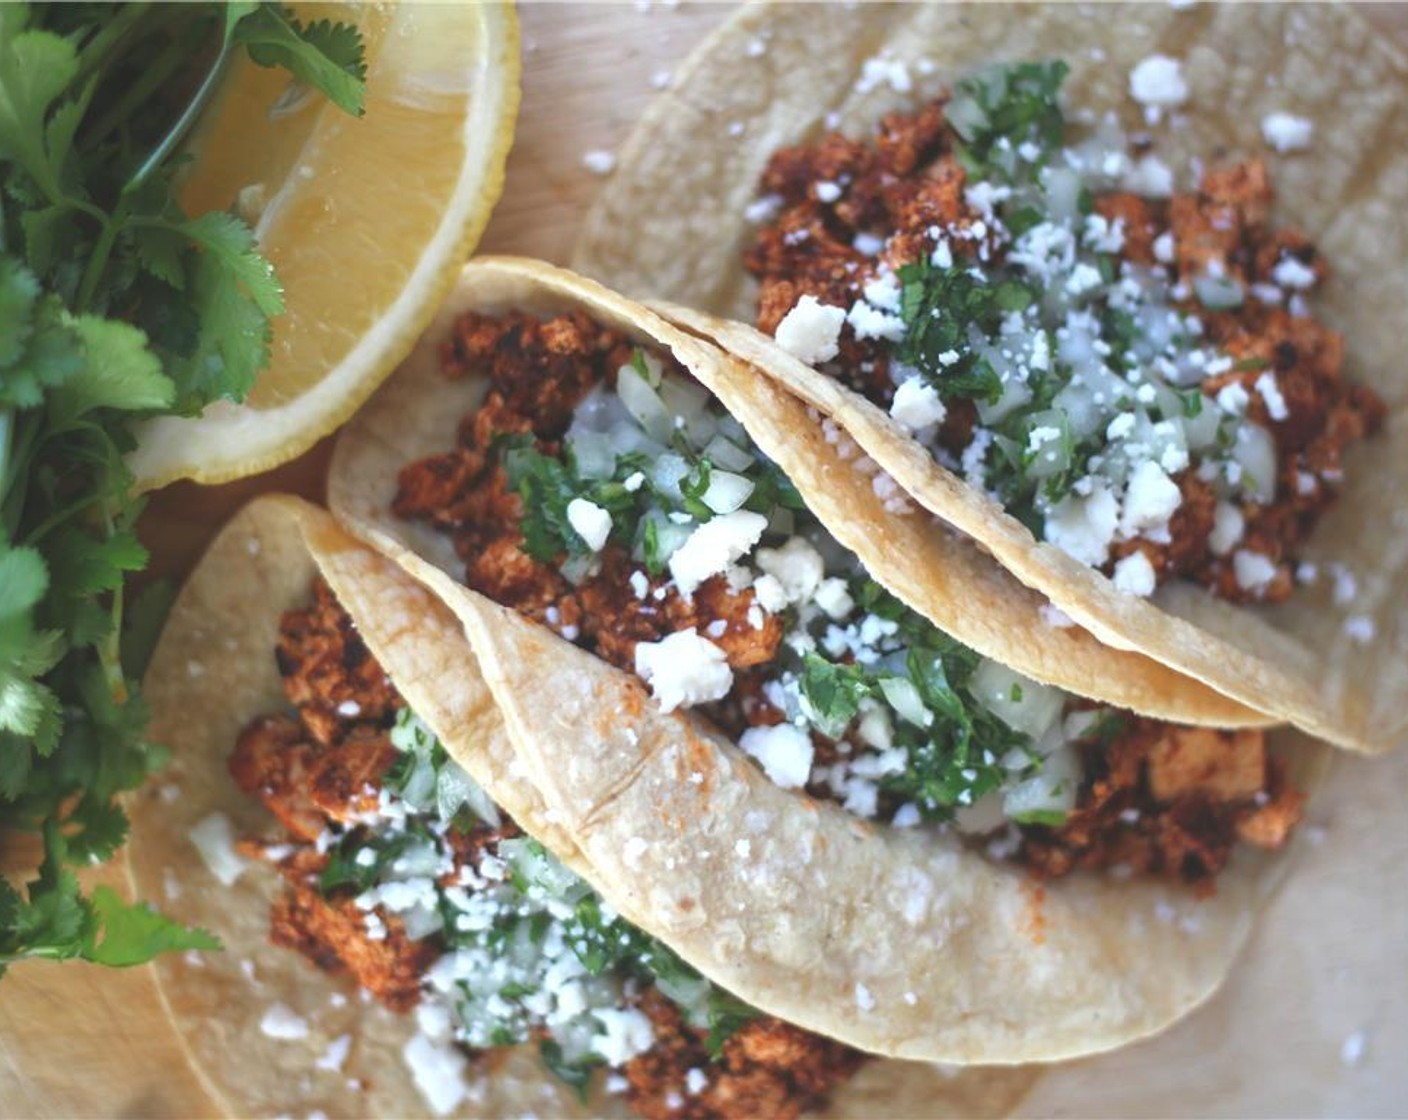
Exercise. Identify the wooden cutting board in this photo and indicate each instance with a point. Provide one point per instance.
(81, 1041)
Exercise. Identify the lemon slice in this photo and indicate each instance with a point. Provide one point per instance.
(366, 221)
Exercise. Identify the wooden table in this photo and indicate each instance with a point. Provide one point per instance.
(81, 1041)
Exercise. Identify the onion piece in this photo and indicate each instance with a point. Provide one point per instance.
(901, 695)
(1021, 703)
(726, 491)
(723, 452)
(644, 404)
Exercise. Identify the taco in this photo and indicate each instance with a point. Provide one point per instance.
(1028, 259)
(864, 826)
(398, 939)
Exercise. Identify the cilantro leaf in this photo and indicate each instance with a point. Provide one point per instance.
(234, 294)
(19, 291)
(36, 68)
(127, 934)
(329, 57)
(119, 371)
(114, 304)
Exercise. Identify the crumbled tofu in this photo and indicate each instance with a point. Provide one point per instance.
(1221, 765)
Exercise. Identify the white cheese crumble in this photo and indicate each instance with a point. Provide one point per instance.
(1150, 177)
(1270, 392)
(1254, 571)
(1286, 132)
(1158, 81)
(834, 598)
(214, 838)
(1084, 526)
(633, 849)
(438, 1070)
(1134, 575)
(335, 1056)
(627, 1033)
(827, 191)
(684, 669)
(1291, 273)
(1359, 628)
(917, 405)
(784, 752)
(590, 522)
(599, 162)
(797, 567)
(881, 71)
(871, 322)
(811, 330)
(1150, 499)
(865, 1000)
(282, 1022)
(715, 545)
(1353, 1048)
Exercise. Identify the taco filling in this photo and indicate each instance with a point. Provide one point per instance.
(603, 492)
(401, 873)
(1132, 371)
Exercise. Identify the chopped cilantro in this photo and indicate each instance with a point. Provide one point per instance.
(1011, 105)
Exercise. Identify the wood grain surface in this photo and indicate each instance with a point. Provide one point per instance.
(80, 1041)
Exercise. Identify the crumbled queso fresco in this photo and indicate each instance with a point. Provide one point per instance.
(530, 950)
(1093, 386)
(925, 729)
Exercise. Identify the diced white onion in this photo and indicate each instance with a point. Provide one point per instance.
(901, 695)
(1218, 293)
(1063, 187)
(595, 454)
(685, 399)
(726, 491)
(1053, 790)
(723, 452)
(1022, 704)
(644, 404)
(666, 474)
(1255, 450)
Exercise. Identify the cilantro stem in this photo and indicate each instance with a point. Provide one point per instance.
(185, 122)
(153, 78)
(98, 50)
(98, 262)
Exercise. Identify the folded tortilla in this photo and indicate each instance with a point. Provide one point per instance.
(671, 225)
(897, 941)
(213, 671)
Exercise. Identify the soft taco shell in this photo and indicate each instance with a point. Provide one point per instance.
(936, 572)
(213, 671)
(798, 907)
(670, 224)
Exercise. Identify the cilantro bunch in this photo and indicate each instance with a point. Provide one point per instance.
(115, 305)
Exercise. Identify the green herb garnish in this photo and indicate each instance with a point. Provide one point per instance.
(115, 305)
